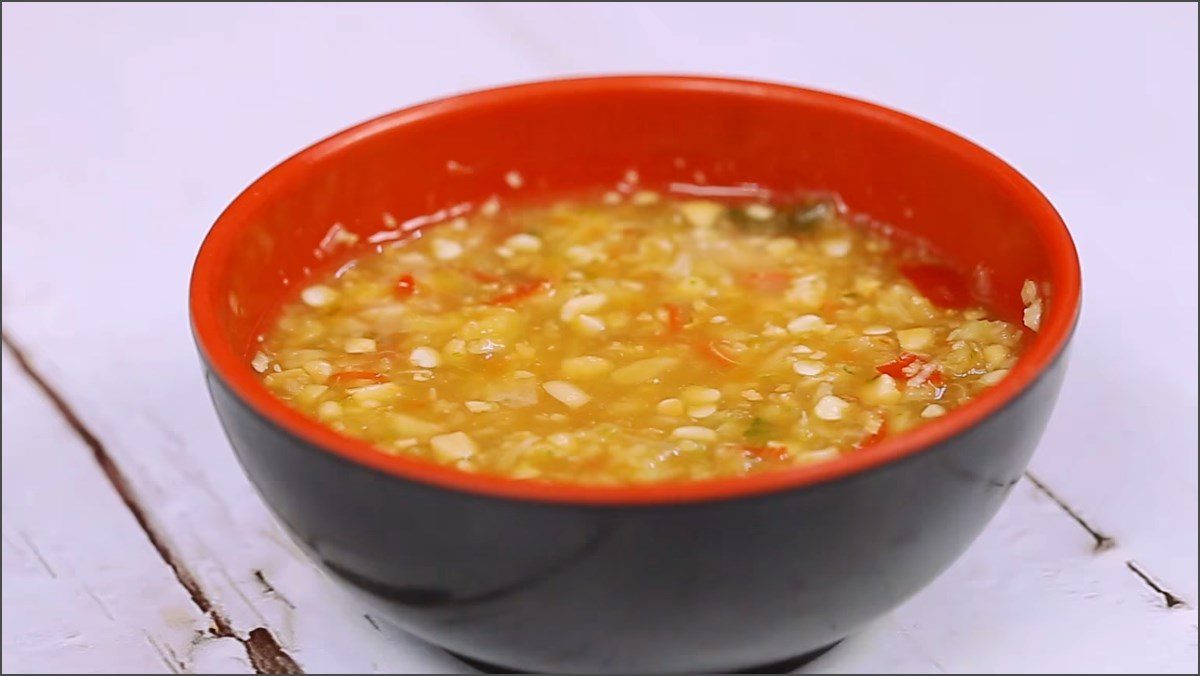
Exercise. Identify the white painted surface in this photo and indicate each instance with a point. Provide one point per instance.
(84, 589)
(127, 129)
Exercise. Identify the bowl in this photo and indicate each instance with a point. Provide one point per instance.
(712, 575)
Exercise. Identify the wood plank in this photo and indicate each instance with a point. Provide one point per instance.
(169, 138)
(1033, 593)
(84, 589)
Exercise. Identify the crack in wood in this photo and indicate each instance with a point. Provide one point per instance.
(1102, 542)
(237, 589)
(271, 590)
(1170, 599)
(174, 665)
(99, 602)
(1105, 542)
(37, 553)
(265, 653)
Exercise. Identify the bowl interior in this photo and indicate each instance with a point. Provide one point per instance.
(582, 134)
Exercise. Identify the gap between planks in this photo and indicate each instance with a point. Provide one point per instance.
(1103, 542)
(263, 650)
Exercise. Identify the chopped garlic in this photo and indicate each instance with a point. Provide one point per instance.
(567, 393)
(995, 356)
(580, 255)
(694, 433)
(586, 366)
(807, 291)
(588, 325)
(830, 407)
(453, 446)
(581, 304)
(1032, 317)
(643, 370)
(1029, 292)
(773, 331)
(328, 410)
(760, 212)
(881, 390)
(311, 393)
(425, 357)
(915, 340)
(835, 248)
(446, 249)
(514, 179)
(933, 411)
(805, 367)
(821, 455)
(359, 345)
(701, 213)
(993, 377)
(490, 207)
(319, 369)
(670, 407)
(806, 324)
(261, 362)
(524, 243)
(318, 295)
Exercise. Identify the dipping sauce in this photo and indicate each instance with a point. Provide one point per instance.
(636, 338)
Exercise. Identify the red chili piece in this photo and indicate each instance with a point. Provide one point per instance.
(405, 286)
(767, 452)
(520, 291)
(678, 316)
(876, 437)
(895, 368)
(767, 280)
(485, 277)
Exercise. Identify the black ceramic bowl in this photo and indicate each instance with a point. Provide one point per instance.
(703, 576)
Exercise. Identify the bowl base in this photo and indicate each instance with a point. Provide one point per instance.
(785, 666)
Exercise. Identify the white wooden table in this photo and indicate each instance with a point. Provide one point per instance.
(131, 540)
